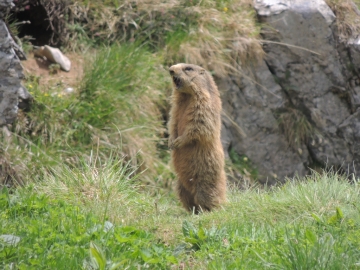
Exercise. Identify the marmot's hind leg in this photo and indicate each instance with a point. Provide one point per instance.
(186, 198)
(204, 201)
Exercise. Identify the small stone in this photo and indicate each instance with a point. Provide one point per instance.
(54, 55)
(69, 90)
(10, 239)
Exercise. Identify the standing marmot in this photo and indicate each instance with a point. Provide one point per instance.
(194, 126)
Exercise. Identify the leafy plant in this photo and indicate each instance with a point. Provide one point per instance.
(243, 166)
(196, 237)
(54, 68)
(56, 234)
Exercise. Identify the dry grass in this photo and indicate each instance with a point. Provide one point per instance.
(18, 156)
(221, 37)
(224, 38)
(347, 18)
(296, 128)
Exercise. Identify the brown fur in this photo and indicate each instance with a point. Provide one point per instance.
(194, 126)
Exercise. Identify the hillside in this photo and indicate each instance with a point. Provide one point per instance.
(281, 94)
(86, 180)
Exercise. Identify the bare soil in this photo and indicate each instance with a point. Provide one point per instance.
(42, 68)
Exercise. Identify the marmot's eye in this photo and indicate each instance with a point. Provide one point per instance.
(188, 69)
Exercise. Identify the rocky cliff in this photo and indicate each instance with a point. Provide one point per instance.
(11, 90)
(299, 108)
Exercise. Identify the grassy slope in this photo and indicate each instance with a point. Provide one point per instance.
(311, 224)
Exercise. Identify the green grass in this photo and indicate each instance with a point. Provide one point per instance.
(96, 217)
(54, 234)
(241, 164)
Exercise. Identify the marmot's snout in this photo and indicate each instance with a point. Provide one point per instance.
(172, 70)
(176, 80)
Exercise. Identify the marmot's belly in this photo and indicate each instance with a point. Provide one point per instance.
(194, 164)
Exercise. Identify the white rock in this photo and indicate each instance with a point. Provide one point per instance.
(69, 90)
(54, 55)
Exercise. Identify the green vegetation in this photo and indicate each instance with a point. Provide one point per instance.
(116, 111)
(52, 234)
(99, 219)
(240, 164)
(220, 35)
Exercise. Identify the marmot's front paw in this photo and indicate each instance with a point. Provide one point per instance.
(175, 143)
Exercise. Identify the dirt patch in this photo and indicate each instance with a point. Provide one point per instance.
(48, 76)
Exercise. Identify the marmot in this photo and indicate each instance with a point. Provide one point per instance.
(194, 127)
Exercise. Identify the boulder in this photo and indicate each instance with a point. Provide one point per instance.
(251, 101)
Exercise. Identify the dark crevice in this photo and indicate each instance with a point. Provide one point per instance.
(271, 69)
(313, 161)
(33, 22)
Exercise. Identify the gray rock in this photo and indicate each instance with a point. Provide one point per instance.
(351, 59)
(11, 90)
(5, 5)
(270, 7)
(349, 132)
(9, 239)
(314, 77)
(251, 101)
(307, 72)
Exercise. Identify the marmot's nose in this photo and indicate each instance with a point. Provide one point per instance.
(172, 72)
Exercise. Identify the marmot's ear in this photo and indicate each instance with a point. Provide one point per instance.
(202, 71)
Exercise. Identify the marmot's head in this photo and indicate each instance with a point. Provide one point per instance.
(188, 77)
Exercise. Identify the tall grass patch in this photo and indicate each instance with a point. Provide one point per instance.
(225, 37)
(121, 95)
(106, 189)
